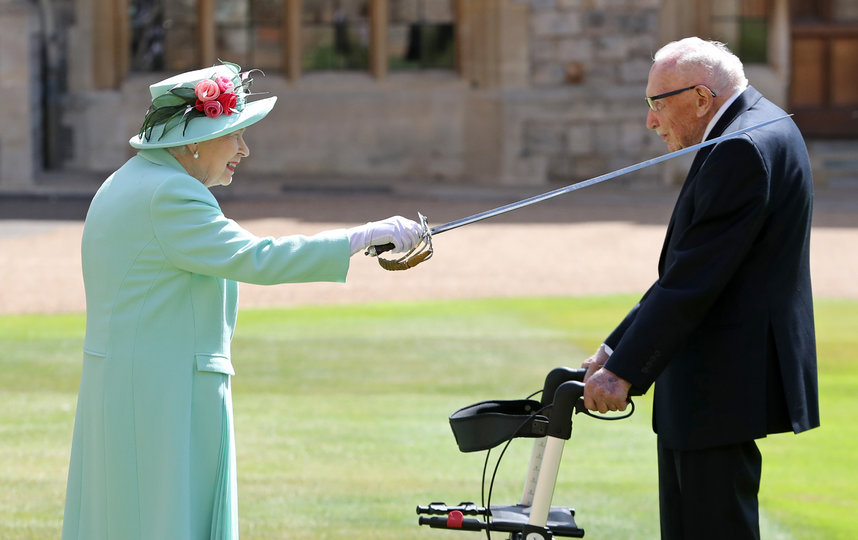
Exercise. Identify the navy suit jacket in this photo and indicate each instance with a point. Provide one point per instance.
(726, 333)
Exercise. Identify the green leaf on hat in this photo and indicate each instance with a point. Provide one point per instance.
(177, 105)
(157, 116)
(185, 93)
(167, 100)
(173, 121)
(189, 115)
(234, 67)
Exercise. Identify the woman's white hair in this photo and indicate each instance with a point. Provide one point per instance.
(721, 69)
(178, 151)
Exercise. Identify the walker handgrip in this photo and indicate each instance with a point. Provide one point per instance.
(468, 524)
(565, 399)
(558, 376)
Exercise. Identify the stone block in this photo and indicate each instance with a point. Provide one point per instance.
(548, 74)
(580, 140)
(633, 138)
(574, 49)
(607, 138)
(546, 50)
(590, 166)
(613, 47)
(555, 24)
(544, 138)
(637, 23)
(19, 85)
(537, 5)
(528, 171)
(635, 71)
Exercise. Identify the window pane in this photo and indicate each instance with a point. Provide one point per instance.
(753, 40)
(844, 72)
(233, 31)
(248, 32)
(755, 8)
(421, 34)
(744, 27)
(147, 35)
(807, 10)
(180, 25)
(163, 35)
(845, 11)
(266, 41)
(335, 34)
(266, 46)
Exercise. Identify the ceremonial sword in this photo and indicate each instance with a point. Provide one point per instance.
(375, 250)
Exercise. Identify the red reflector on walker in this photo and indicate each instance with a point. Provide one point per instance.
(455, 519)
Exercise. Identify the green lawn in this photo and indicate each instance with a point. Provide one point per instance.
(341, 420)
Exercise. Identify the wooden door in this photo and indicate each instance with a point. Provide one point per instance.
(824, 82)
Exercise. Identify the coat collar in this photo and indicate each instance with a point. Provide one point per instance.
(160, 156)
(745, 101)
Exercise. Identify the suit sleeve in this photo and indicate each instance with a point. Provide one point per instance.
(195, 236)
(729, 198)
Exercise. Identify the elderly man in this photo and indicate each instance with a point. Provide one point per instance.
(726, 332)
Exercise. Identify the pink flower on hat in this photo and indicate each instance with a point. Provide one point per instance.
(212, 108)
(191, 98)
(207, 90)
(228, 100)
(225, 84)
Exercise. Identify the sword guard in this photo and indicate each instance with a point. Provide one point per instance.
(421, 252)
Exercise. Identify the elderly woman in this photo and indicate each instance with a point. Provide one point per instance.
(153, 453)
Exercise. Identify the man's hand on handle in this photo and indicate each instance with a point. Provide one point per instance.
(604, 391)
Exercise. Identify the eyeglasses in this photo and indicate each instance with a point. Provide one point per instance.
(651, 100)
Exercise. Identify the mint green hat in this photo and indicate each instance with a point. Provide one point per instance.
(200, 105)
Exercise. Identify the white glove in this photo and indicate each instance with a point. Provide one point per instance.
(403, 233)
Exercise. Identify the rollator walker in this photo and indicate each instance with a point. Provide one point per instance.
(487, 424)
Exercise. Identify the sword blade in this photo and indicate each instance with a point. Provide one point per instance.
(596, 180)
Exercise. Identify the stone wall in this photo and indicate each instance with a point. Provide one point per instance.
(589, 64)
(555, 96)
(20, 88)
(548, 91)
(410, 125)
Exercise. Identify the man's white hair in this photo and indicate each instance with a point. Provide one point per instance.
(720, 68)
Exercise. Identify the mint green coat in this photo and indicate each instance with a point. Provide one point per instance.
(153, 453)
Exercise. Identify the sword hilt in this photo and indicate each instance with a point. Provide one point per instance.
(375, 251)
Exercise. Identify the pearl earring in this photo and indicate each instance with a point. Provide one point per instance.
(197, 155)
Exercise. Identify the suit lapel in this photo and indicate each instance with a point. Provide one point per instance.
(740, 105)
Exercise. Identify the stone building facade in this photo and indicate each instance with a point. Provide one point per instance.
(538, 91)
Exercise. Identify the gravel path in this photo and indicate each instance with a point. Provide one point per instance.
(594, 242)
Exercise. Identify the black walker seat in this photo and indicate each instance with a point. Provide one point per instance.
(487, 424)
